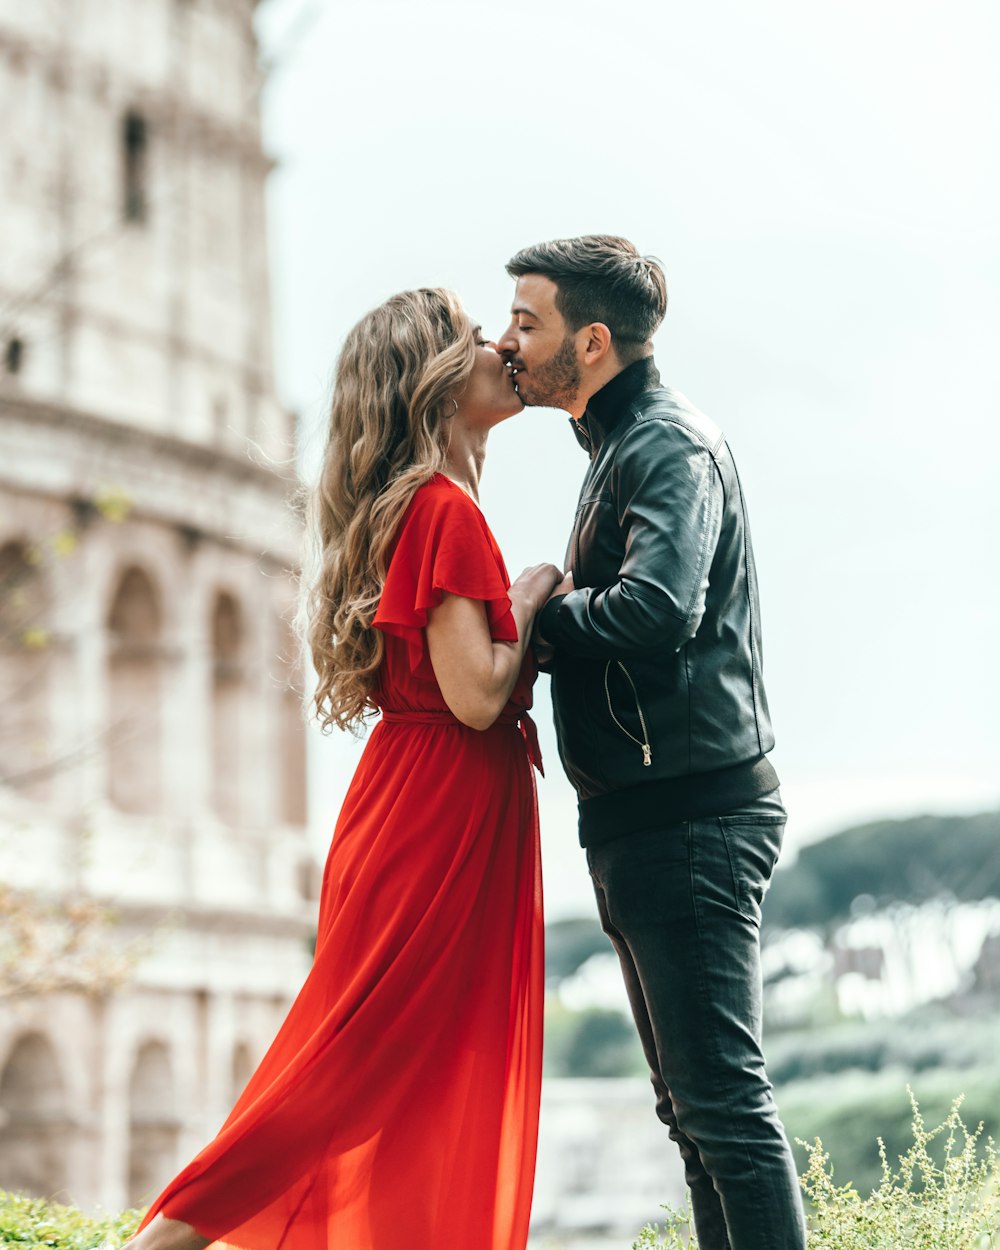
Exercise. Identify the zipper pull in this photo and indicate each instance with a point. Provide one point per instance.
(647, 755)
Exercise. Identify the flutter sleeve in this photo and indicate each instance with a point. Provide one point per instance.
(444, 544)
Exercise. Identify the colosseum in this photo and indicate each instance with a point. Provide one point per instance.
(152, 756)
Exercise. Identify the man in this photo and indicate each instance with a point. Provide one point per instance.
(654, 647)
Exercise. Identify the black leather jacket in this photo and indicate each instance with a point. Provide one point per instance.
(657, 668)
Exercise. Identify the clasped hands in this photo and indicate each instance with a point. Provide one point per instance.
(544, 651)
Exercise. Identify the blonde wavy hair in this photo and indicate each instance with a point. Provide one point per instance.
(399, 372)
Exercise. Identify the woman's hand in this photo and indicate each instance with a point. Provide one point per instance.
(476, 674)
(534, 585)
(544, 651)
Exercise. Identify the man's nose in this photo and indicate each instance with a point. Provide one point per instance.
(507, 343)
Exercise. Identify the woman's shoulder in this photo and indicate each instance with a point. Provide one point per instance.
(440, 499)
(440, 516)
(440, 489)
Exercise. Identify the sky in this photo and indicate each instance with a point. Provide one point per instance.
(822, 185)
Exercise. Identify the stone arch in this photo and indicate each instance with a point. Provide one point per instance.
(243, 1068)
(25, 662)
(34, 1119)
(154, 1126)
(135, 661)
(153, 550)
(229, 699)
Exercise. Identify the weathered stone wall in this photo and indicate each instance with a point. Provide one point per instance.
(151, 756)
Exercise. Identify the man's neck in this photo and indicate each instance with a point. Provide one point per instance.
(598, 383)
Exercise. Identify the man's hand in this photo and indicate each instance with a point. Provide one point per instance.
(544, 651)
(564, 587)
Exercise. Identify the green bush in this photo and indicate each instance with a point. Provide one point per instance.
(595, 1042)
(922, 1041)
(37, 1224)
(942, 1194)
(850, 1111)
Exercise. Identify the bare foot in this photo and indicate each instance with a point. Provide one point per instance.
(164, 1234)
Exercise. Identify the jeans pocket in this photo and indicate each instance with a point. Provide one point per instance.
(753, 844)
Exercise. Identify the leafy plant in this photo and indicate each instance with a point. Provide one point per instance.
(923, 1203)
(38, 1224)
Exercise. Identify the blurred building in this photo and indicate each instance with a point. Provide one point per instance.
(606, 1165)
(151, 743)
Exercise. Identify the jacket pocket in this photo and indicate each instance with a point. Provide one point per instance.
(629, 717)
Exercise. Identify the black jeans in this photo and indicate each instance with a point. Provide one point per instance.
(682, 906)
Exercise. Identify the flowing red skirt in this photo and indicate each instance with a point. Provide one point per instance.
(398, 1105)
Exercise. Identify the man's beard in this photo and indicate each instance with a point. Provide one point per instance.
(556, 383)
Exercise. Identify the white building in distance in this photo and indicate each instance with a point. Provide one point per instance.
(152, 750)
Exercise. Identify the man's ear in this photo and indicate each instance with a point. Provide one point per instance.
(596, 340)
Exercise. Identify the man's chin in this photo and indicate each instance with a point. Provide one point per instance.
(530, 400)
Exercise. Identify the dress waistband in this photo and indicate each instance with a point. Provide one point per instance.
(529, 731)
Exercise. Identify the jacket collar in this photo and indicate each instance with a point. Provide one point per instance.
(607, 406)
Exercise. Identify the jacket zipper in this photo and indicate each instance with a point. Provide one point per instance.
(647, 750)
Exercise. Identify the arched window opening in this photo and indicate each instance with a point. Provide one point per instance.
(243, 1068)
(291, 726)
(13, 356)
(153, 1124)
(135, 661)
(135, 151)
(35, 1142)
(22, 600)
(25, 660)
(309, 879)
(228, 702)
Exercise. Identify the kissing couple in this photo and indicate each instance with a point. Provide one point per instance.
(398, 1104)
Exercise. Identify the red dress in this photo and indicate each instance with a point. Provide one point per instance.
(398, 1105)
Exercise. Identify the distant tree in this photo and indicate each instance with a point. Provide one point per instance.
(889, 861)
(569, 944)
(47, 945)
(604, 1043)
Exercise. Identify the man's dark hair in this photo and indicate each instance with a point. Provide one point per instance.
(601, 277)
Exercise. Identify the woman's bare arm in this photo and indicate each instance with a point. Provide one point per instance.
(476, 674)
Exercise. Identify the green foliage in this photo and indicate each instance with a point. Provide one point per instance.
(570, 943)
(36, 1224)
(924, 1203)
(925, 1040)
(850, 1110)
(677, 1232)
(595, 1042)
(907, 861)
(942, 1194)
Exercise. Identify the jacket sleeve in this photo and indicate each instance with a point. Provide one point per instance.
(667, 495)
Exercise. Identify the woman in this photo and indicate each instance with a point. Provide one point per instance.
(398, 1104)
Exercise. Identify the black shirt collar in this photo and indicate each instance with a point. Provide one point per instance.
(607, 406)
